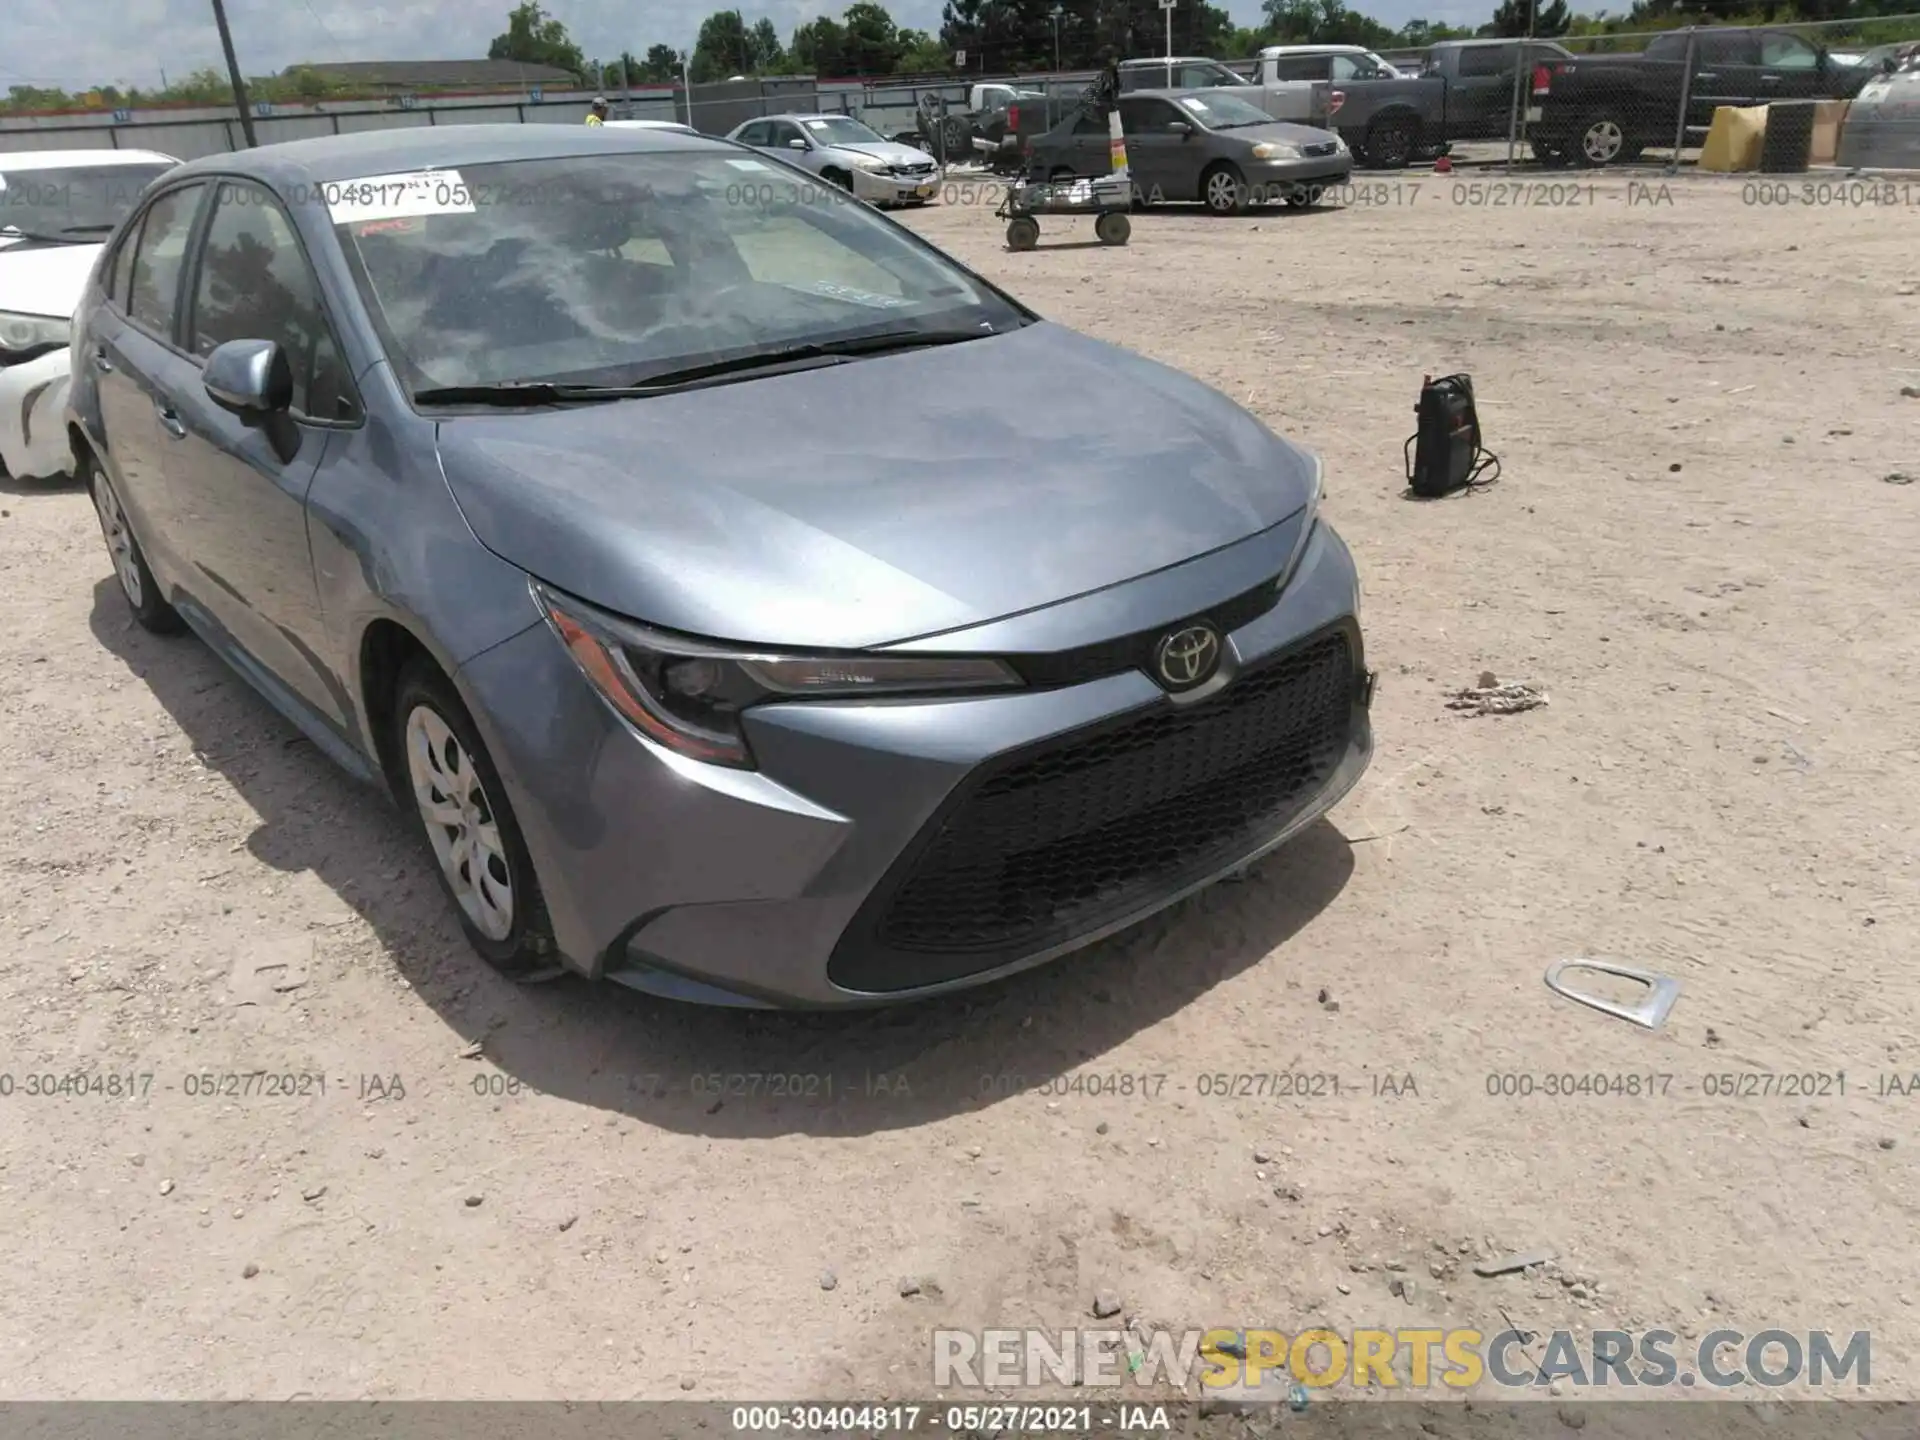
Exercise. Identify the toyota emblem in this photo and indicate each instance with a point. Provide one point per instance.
(1187, 657)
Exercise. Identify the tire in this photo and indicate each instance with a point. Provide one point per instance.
(957, 136)
(1061, 172)
(1223, 190)
(444, 765)
(1599, 139)
(838, 177)
(1391, 142)
(137, 585)
(1548, 155)
(1022, 233)
(1113, 228)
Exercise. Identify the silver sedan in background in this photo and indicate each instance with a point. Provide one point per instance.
(843, 152)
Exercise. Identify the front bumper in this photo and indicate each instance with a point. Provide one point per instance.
(897, 189)
(775, 887)
(33, 402)
(1315, 174)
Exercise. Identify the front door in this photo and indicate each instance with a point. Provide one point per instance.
(1790, 68)
(240, 485)
(1726, 71)
(132, 341)
(1158, 160)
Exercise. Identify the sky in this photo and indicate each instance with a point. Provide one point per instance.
(75, 43)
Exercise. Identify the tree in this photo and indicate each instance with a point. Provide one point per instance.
(1513, 18)
(721, 48)
(871, 39)
(769, 55)
(1324, 22)
(819, 47)
(662, 65)
(534, 37)
(922, 54)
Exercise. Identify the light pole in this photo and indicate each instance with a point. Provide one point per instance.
(233, 74)
(1056, 39)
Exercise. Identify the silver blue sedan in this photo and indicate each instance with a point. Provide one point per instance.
(523, 468)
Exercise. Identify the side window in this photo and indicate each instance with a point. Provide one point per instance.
(1346, 67)
(1300, 67)
(254, 284)
(1486, 59)
(153, 285)
(1787, 52)
(1157, 114)
(754, 134)
(120, 267)
(1724, 49)
(1085, 124)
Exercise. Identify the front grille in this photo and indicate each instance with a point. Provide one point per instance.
(922, 167)
(1055, 841)
(1324, 147)
(1135, 652)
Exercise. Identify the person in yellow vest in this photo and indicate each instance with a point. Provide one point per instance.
(597, 112)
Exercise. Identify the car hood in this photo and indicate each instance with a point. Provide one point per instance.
(881, 500)
(1280, 132)
(41, 279)
(890, 151)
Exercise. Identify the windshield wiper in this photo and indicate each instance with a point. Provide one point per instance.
(11, 232)
(544, 392)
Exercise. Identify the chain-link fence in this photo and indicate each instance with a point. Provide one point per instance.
(1598, 100)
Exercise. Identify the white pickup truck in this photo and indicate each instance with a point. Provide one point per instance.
(1304, 103)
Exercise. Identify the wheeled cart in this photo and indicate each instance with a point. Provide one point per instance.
(1107, 199)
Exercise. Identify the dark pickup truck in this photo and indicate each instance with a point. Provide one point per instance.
(1598, 109)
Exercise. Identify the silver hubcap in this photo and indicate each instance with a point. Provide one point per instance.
(1221, 192)
(1602, 141)
(113, 525)
(460, 823)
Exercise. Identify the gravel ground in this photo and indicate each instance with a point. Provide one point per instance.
(1697, 403)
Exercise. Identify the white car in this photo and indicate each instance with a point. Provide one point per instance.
(57, 208)
(843, 152)
(673, 125)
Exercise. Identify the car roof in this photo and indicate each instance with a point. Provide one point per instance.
(798, 115)
(648, 125)
(57, 159)
(1170, 60)
(1314, 50)
(389, 152)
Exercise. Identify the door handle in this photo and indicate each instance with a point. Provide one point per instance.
(101, 362)
(1705, 75)
(1769, 79)
(170, 422)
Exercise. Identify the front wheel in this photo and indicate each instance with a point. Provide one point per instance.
(462, 810)
(838, 177)
(1022, 233)
(1224, 189)
(1551, 156)
(1112, 228)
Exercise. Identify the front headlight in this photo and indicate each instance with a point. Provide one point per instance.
(689, 695)
(33, 332)
(1310, 519)
(873, 164)
(1272, 150)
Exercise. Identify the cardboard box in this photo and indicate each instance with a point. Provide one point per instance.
(1735, 138)
(1828, 118)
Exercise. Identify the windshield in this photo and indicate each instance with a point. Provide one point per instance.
(840, 130)
(80, 203)
(608, 269)
(1224, 112)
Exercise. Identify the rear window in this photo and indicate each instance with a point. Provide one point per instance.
(72, 204)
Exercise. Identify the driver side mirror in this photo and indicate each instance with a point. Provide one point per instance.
(797, 145)
(1180, 128)
(251, 378)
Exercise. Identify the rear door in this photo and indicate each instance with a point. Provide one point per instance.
(241, 487)
(1157, 159)
(129, 347)
(1726, 71)
(1790, 68)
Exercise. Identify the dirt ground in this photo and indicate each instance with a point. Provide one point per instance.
(1697, 405)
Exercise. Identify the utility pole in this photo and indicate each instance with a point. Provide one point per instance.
(1056, 39)
(233, 74)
